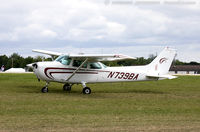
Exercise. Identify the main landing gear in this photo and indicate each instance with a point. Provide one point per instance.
(86, 90)
(67, 87)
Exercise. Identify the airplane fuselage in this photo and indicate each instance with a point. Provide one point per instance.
(57, 72)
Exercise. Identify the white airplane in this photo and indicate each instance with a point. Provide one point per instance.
(72, 69)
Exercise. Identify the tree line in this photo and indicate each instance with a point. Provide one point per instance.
(17, 61)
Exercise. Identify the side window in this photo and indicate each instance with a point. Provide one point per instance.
(77, 63)
(95, 66)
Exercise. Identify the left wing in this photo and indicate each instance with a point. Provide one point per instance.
(53, 55)
(47, 52)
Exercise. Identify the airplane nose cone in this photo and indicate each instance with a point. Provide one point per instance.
(35, 65)
(29, 65)
(36, 70)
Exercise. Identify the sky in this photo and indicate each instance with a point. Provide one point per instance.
(99, 26)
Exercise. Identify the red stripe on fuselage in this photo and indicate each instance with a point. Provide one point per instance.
(83, 71)
(72, 72)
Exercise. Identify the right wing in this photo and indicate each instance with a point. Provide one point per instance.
(100, 57)
(91, 57)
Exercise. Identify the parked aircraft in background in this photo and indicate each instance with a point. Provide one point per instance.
(72, 69)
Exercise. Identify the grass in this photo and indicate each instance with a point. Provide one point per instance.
(168, 105)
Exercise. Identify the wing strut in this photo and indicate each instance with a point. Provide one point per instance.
(77, 69)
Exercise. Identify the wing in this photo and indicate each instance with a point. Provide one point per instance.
(100, 57)
(90, 57)
(53, 55)
(47, 52)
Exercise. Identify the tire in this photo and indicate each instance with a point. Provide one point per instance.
(67, 87)
(86, 90)
(44, 90)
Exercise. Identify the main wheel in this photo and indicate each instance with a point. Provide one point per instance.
(86, 90)
(67, 87)
(44, 90)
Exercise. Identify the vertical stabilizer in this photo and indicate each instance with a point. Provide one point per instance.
(161, 64)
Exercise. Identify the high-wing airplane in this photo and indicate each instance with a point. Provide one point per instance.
(72, 69)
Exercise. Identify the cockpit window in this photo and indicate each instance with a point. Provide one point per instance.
(104, 65)
(95, 65)
(65, 60)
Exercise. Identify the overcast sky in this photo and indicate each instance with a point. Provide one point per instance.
(99, 26)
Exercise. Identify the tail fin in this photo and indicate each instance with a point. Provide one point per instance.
(159, 67)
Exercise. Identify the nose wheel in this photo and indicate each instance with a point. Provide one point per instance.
(45, 88)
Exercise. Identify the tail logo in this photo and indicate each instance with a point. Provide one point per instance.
(162, 60)
(156, 67)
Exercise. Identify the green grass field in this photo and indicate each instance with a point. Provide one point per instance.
(168, 105)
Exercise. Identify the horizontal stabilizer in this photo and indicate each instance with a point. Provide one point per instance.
(162, 76)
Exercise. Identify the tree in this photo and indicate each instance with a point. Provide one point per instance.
(3, 60)
(16, 61)
(194, 63)
(151, 58)
(177, 62)
(39, 58)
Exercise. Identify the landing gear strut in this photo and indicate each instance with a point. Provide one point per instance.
(67, 87)
(86, 90)
(45, 88)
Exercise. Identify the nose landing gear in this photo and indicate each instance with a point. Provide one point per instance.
(45, 88)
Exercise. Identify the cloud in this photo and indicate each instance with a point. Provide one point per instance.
(92, 24)
(48, 33)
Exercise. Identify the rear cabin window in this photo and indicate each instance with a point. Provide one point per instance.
(95, 65)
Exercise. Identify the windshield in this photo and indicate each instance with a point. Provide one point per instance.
(104, 65)
(65, 60)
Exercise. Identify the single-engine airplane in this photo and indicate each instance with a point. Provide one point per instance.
(72, 69)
